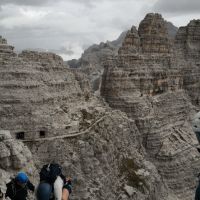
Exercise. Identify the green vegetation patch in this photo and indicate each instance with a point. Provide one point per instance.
(128, 169)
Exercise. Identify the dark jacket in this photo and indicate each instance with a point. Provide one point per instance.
(16, 192)
(197, 194)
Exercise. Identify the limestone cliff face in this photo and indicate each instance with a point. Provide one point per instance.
(187, 45)
(147, 81)
(33, 88)
(153, 35)
(142, 153)
(188, 40)
(92, 61)
(144, 65)
(51, 110)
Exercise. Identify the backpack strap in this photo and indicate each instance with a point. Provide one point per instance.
(48, 167)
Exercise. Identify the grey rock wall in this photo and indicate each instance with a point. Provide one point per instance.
(136, 143)
(148, 81)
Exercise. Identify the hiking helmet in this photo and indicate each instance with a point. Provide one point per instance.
(22, 177)
(196, 125)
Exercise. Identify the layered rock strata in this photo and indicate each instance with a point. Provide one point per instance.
(144, 154)
(147, 81)
(187, 46)
(92, 61)
(50, 109)
(33, 90)
(154, 35)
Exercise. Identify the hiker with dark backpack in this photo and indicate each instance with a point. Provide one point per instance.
(53, 183)
(17, 188)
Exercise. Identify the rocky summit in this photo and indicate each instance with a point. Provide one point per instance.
(155, 81)
(133, 141)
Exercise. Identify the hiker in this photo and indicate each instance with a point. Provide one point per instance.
(196, 129)
(53, 184)
(17, 188)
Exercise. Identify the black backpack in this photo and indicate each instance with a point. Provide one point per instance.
(50, 172)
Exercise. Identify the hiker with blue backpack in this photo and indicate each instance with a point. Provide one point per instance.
(53, 184)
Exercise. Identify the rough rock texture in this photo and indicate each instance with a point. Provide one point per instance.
(147, 81)
(92, 61)
(104, 161)
(14, 156)
(33, 90)
(142, 153)
(153, 35)
(51, 110)
(187, 43)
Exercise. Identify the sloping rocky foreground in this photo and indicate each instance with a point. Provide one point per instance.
(136, 144)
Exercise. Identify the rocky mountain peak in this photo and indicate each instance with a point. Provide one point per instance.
(188, 40)
(2, 40)
(156, 39)
(4, 47)
(157, 89)
(131, 42)
(153, 34)
(42, 57)
(194, 22)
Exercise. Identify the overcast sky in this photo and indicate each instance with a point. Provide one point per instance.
(67, 27)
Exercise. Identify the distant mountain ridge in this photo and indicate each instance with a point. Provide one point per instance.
(91, 61)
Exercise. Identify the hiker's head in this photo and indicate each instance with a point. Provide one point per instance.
(21, 178)
(196, 125)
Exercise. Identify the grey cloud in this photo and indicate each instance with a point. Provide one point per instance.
(25, 2)
(87, 3)
(70, 24)
(66, 27)
(63, 50)
(44, 2)
(177, 6)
